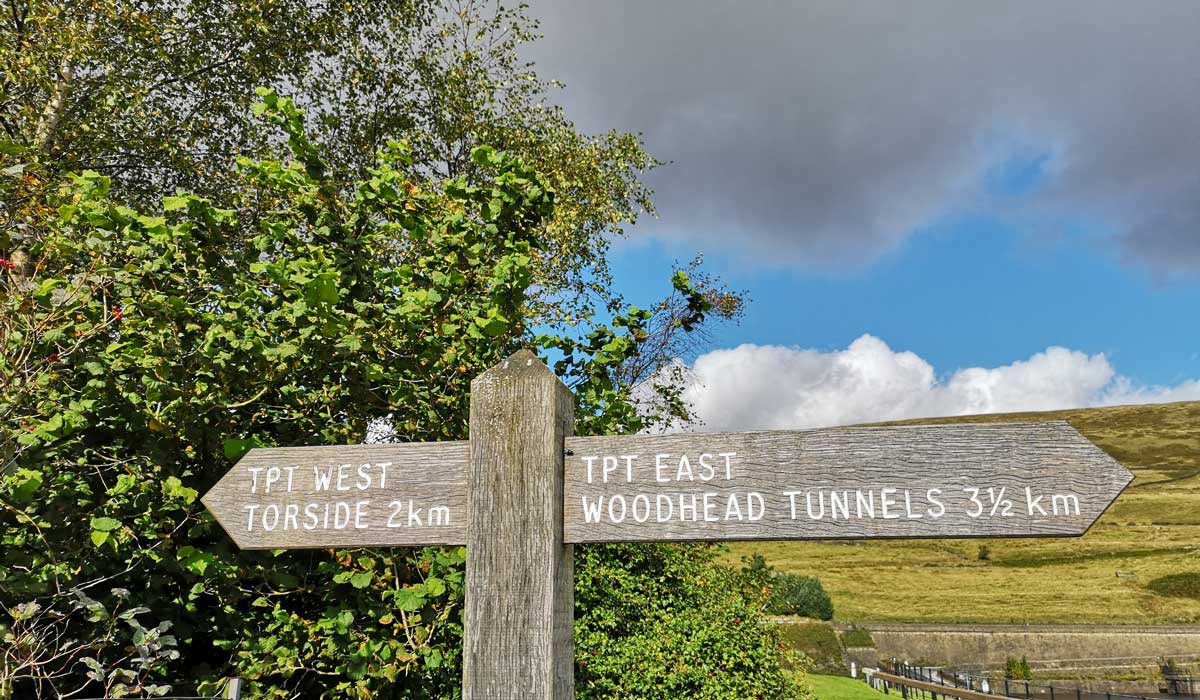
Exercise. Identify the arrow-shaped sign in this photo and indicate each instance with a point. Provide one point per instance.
(962, 480)
(395, 495)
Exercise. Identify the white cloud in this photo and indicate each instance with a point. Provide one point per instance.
(765, 387)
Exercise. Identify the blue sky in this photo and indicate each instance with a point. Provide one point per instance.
(936, 207)
(968, 292)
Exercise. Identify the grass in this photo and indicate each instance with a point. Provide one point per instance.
(1124, 571)
(842, 688)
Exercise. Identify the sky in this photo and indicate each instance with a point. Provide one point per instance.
(937, 208)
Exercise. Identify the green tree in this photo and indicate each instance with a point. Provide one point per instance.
(142, 354)
(156, 96)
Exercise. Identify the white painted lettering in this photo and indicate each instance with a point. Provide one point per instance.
(341, 515)
(908, 511)
(321, 479)
(629, 467)
(728, 465)
(841, 501)
(612, 513)
(1067, 500)
(645, 501)
(886, 500)
(755, 499)
(659, 500)
(270, 517)
(610, 466)
(439, 515)
(733, 511)
(792, 500)
(864, 504)
(685, 507)
(659, 466)
(685, 467)
(1032, 502)
(591, 511)
(808, 504)
(254, 478)
(931, 496)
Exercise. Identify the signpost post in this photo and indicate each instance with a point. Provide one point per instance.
(522, 491)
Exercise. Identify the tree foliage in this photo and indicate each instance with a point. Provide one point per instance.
(156, 95)
(665, 621)
(144, 353)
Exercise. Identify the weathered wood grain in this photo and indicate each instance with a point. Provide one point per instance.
(518, 641)
(406, 488)
(928, 463)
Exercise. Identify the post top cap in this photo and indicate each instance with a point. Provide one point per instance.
(521, 363)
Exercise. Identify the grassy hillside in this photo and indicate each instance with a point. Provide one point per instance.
(1116, 574)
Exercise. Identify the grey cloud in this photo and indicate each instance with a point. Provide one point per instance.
(828, 132)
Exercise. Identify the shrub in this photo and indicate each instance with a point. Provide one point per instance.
(793, 594)
(1184, 585)
(857, 638)
(1017, 669)
(666, 621)
(819, 643)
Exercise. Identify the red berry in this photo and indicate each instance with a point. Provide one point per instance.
(117, 313)
(53, 357)
(7, 264)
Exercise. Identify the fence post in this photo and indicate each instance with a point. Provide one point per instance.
(1051, 692)
(233, 689)
(520, 575)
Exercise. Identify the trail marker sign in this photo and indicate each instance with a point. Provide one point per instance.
(523, 490)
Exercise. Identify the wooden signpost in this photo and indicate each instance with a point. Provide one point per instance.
(523, 490)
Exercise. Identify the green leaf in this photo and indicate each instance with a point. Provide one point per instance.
(99, 537)
(175, 203)
(174, 488)
(234, 448)
(492, 325)
(105, 524)
(195, 560)
(28, 481)
(435, 587)
(409, 599)
(362, 579)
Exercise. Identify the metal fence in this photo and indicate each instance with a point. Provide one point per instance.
(1008, 687)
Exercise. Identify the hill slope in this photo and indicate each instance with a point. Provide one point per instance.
(1115, 574)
